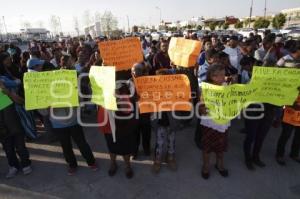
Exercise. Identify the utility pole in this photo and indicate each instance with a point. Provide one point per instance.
(128, 25)
(251, 10)
(60, 24)
(158, 8)
(4, 24)
(265, 13)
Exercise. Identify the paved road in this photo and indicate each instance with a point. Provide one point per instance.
(50, 180)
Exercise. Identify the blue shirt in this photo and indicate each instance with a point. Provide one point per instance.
(201, 58)
(202, 72)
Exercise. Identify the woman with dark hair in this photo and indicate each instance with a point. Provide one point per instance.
(125, 129)
(24, 58)
(215, 136)
(11, 130)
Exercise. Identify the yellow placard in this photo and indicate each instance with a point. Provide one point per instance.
(103, 82)
(163, 93)
(57, 89)
(122, 54)
(184, 52)
(277, 86)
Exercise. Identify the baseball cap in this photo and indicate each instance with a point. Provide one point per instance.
(32, 63)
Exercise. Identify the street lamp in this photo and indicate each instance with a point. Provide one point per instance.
(251, 10)
(158, 8)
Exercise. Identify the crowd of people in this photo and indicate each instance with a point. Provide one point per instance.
(224, 60)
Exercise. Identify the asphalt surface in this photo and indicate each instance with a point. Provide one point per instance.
(50, 180)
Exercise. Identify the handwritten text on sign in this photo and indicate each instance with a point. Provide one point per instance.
(121, 53)
(55, 89)
(276, 86)
(163, 93)
(184, 52)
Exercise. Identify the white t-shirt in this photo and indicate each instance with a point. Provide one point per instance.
(235, 57)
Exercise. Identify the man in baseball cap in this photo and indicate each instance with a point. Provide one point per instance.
(35, 65)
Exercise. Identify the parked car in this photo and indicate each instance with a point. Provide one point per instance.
(156, 35)
(246, 32)
(294, 34)
(288, 30)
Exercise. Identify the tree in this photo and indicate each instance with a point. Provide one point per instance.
(261, 23)
(279, 21)
(225, 26)
(87, 18)
(76, 25)
(54, 23)
(108, 22)
(220, 24)
(199, 27)
(212, 26)
(239, 25)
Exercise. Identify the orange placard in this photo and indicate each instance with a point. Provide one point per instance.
(291, 116)
(163, 93)
(184, 52)
(122, 54)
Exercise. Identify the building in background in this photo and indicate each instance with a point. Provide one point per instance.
(35, 34)
(292, 16)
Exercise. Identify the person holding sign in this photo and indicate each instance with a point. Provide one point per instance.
(161, 59)
(291, 118)
(214, 138)
(11, 131)
(124, 124)
(65, 125)
(165, 137)
(144, 126)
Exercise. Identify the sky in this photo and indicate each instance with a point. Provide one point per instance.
(139, 12)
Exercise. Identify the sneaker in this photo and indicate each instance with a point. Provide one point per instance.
(27, 170)
(94, 167)
(71, 171)
(12, 172)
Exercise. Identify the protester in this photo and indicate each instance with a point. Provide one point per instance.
(12, 134)
(288, 126)
(162, 60)
(266, 53)
(125, 128)
(214, 137)
(165, 138)
(65, 125)
(144, 123)
(234, 53)
(211, 56)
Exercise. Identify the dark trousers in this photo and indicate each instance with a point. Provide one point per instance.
(76, 133)
(144, 131)
(256, 132)
(286, 133)
(13, 145)
(198, 134)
